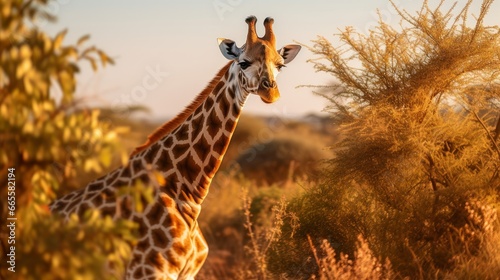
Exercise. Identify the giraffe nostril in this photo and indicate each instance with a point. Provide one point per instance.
(267, 84)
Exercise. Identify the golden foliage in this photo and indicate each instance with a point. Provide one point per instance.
(418, 110)
(364, 265)
(48, 137)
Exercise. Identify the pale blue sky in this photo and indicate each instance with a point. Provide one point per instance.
(178, 40)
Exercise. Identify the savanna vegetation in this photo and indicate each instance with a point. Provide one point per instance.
(400, 181)
(51, 140)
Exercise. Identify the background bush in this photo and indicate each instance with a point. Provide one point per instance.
(50, 138)
(420, 127)
(279, 160)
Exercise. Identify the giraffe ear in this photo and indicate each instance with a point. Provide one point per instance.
(289, 52)
(228, 48)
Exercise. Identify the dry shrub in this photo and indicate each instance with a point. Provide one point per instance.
(417, 106)
(248, 132)
(241, 222)
(364, 265)
(281, 160)
(477, 252)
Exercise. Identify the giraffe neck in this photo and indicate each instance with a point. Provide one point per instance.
(189, 156)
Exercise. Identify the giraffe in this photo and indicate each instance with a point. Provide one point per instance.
(186, 151)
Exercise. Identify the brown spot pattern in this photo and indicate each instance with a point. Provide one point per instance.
(209, 103)
(137, 166)
(108, 211)
(150, 154)
(126, 172)
(212, 124)
(96, 186)
(230, 124)
(159, 238)
(212, 165)
(180, 149)
(156, 212)
(112, 178)
(165, 162)
(202, 148)
(82, 209)
(221, 144)
(126, 207)
(182, 133)
(138, 273)
(189, 168)
(224, 105)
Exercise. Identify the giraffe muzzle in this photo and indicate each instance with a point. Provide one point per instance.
(266, 84)
(269, 94)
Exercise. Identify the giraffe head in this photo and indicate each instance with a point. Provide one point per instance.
(259, 62)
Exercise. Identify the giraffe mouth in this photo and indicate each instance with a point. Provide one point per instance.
(266, 101)
(268, 95)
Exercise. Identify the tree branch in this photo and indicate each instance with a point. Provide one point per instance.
(497, 130)
(493, 141)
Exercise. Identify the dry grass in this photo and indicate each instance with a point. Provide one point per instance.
(241, 222)
(479, 255)
(249, 240)
(364, 265)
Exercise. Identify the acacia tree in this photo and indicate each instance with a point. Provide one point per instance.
(428, 92)
(46, 138)
(417, 105)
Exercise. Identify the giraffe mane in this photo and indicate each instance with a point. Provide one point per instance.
(169, 126)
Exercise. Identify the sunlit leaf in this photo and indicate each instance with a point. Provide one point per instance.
(67, 84)
(23, 68)
(47, 44)
(105, 59)
(71, 52)
(25, 51)
(66, 133)
(106, 156)
(83, 39)
(14, 53)
(58, 39)
(51, 141)
(28, 128)
(80, 236)
(92, 63)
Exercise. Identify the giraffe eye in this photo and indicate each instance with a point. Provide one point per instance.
(279, 66)
(244, 64)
